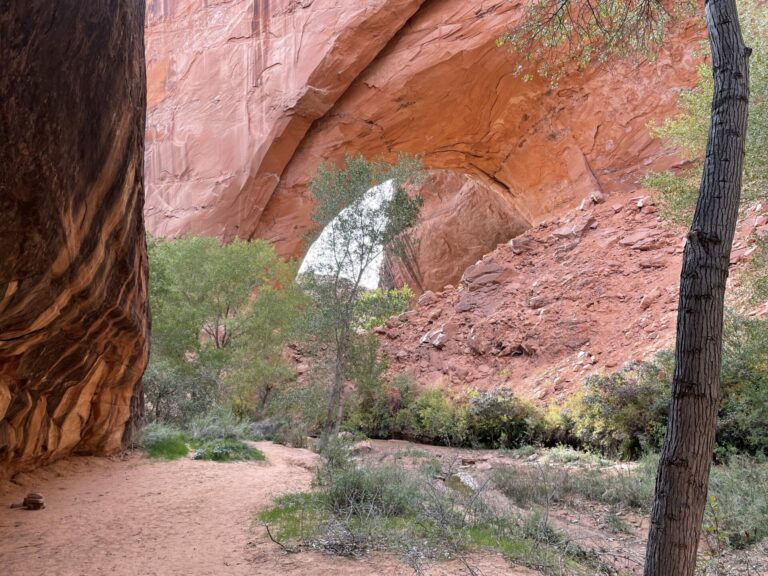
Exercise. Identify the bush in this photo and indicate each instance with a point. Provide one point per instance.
(376, 306)
(738, 506)
(371, 412)
(496, 419)
(175, 392)
(300, 406)
(381, 491)
(688, 131)
(625, 413)
(221, 315)
(359, 508)
(545, 483)
(743, 418)
(218, 424)
(226, 450)
(163, 442)
(433, 419)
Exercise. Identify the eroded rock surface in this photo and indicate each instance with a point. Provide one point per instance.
(247, 98)
(73, 308)
(577, 295)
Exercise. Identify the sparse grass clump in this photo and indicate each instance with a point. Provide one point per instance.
(544, 483)
(164, 442)
(737, 510)
(357, 508)
(227, 450)
(218, 424)
(216, 436)
(375, 490)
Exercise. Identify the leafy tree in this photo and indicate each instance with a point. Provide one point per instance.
(360, 208)
(221, 314)
(584, 30)
(688, 130)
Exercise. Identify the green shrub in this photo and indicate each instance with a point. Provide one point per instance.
(358, 508)
(372, 412)
(218, 424)
(176, 391)
(376, 306)
(497, 419)
(381, 490)
(300, 405)
(677, 193)
(624, 413)
(688, 130)
(291, 433)
(743, 418)
(433, 419)
(221, 315)
(756, 276)
(164, 442)
(226, 450)
(738, 501)
(545, 483)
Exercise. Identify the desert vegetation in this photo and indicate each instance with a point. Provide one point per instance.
(248, 347)
(244, 352)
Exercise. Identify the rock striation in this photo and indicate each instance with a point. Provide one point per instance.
(73, 271)
(247, 98)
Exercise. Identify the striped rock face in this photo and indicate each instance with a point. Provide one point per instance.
(73, 270)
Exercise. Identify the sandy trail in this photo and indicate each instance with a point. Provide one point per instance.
(138, 517)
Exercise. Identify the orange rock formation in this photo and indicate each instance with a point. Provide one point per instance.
(247, 98)
(73, 311)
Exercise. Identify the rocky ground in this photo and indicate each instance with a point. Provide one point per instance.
(573, 296)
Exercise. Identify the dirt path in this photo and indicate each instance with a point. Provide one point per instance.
(138, 517)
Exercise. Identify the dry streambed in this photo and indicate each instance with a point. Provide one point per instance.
(133, 516)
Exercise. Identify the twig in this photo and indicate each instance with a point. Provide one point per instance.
(285, 548)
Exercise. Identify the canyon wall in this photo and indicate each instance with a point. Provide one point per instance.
(247, 98)
(73, 270)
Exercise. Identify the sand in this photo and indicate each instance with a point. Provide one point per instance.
(133, 516)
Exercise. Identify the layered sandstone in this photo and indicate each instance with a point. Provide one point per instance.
(73, 298)
(247, 98)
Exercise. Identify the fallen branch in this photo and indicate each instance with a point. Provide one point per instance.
(286, 549)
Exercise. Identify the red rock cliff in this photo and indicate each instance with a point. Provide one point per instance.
(247, 98)
(73, 308)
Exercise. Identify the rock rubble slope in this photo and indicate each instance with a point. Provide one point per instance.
(576, 295)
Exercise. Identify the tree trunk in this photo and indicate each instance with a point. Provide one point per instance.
(333, 418)
(683, 475)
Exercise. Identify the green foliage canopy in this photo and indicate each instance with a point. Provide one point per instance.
(221, 314)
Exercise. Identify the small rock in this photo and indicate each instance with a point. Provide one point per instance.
(362, 447)
(597, 197)
(576, 228)
(427, 298)
(539, 301)
(32, 501)
(435, 337)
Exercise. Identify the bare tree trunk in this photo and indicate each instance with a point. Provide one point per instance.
(683, 475)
